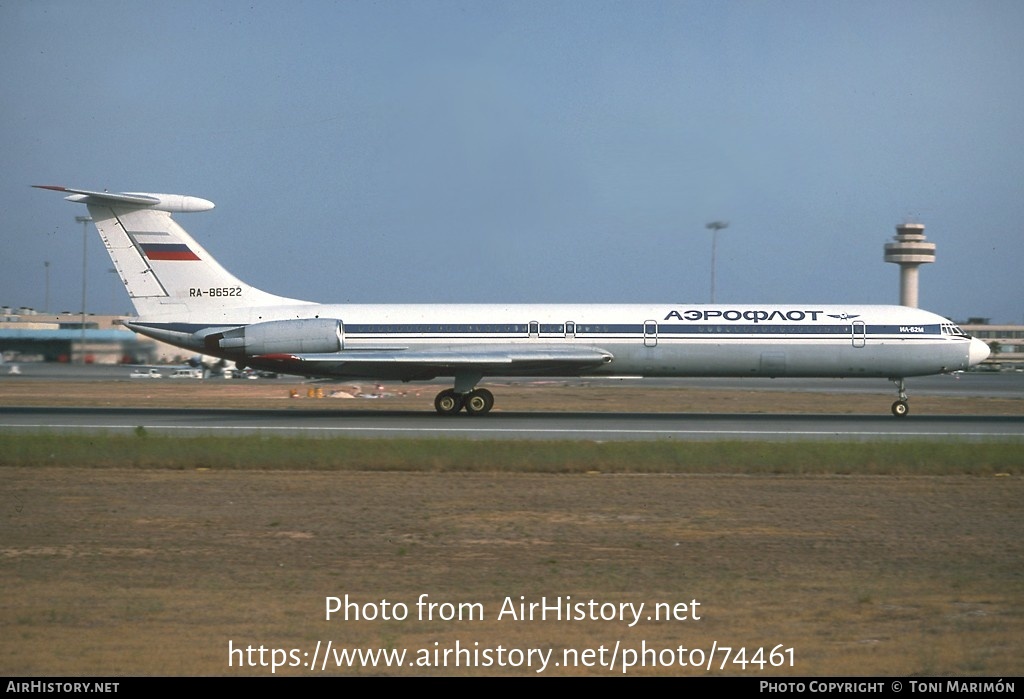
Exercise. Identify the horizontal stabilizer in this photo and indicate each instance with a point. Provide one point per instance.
(175, 203)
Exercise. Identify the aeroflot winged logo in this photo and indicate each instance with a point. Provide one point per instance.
(168, 251)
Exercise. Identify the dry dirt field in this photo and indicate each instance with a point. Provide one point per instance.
(148, 572)
(116, 572)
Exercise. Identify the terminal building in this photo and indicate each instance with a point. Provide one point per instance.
(1005, 341)
(28, 336)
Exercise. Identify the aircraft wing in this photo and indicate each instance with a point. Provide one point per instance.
(442, 361)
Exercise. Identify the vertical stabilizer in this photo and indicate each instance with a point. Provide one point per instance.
(163, 268)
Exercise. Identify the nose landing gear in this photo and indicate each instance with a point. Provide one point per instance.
(900, 408)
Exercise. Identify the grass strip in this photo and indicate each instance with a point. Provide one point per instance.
(143, 450)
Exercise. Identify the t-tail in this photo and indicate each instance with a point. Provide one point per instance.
(165, 271)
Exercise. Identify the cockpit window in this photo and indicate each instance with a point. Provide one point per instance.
(952, 329)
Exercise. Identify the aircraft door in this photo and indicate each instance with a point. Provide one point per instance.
(650, 333)
(860, 333)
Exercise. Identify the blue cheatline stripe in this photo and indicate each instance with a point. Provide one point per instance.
(435, 328)
(633, 329)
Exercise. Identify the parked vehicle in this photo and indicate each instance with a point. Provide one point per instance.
(187, 374)
(146, 374)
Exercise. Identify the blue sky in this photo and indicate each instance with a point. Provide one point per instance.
(527, 151)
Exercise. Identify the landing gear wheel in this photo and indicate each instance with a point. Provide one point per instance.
(479, 402)
(448, 402)
(900, 407)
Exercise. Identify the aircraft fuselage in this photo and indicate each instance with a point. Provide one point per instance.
(655, 340)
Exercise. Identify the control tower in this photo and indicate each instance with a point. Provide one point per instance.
(909, 251)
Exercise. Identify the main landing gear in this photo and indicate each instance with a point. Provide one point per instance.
(465, 395)
(900, 407)
(479, 401)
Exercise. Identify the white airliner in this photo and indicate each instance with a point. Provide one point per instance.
(184, 297)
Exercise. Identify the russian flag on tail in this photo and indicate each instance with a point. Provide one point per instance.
(168, 251)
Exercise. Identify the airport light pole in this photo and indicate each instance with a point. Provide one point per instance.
(84, 220)
(714, 227)
(46, 302)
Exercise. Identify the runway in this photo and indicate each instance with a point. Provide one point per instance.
(540, 424)
(516, 426)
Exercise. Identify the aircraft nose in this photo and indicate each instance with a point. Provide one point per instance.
(978, 352)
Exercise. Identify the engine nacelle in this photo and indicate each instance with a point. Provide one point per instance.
(301, 336)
